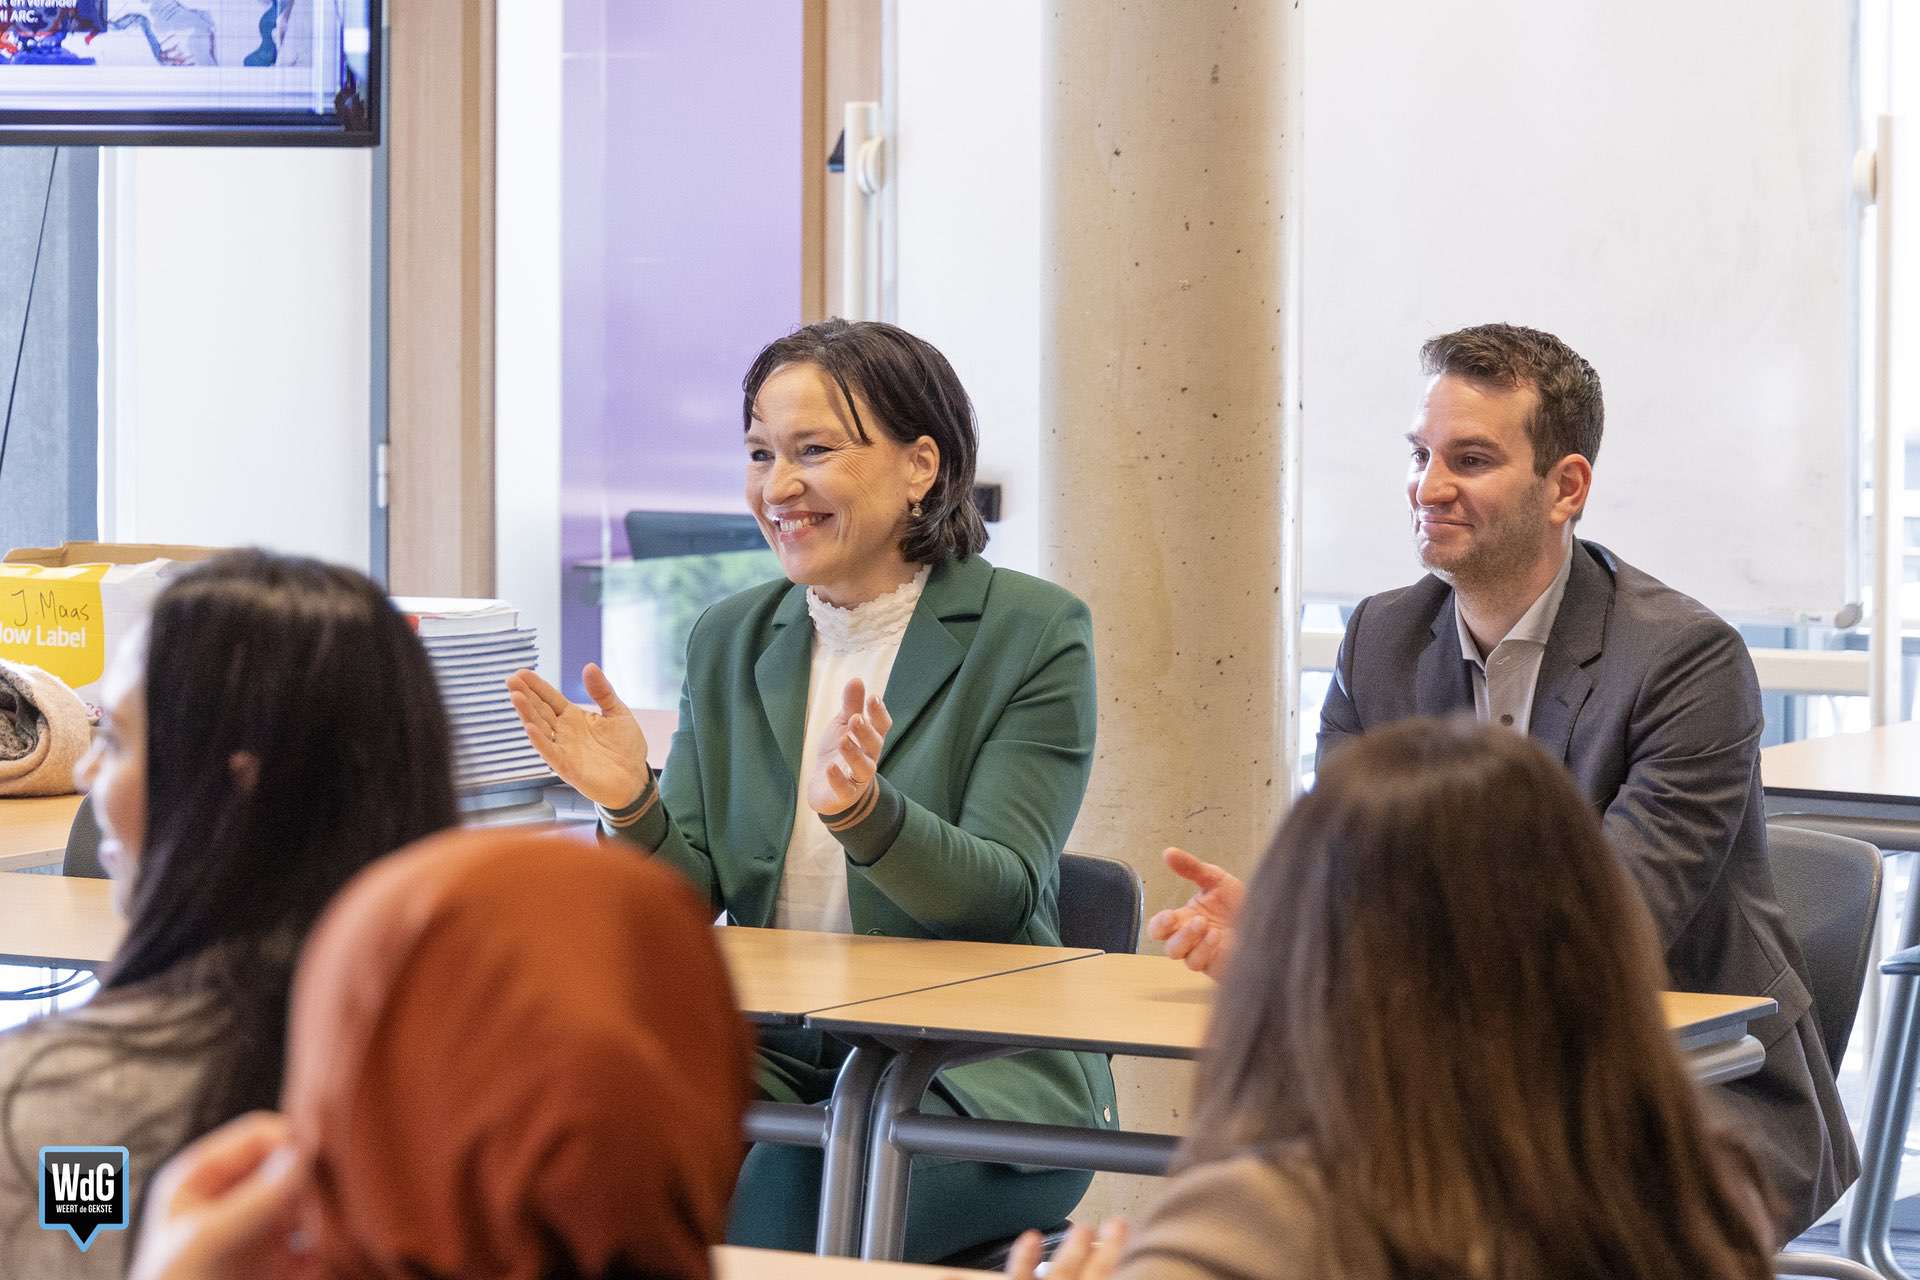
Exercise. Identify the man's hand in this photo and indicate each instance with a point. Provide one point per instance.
(1201, 932)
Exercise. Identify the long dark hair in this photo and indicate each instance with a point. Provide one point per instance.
(307, 673)
(1444, 1002)
(913, 392)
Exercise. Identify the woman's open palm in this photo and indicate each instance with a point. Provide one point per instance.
(602, 755)
(849, 750)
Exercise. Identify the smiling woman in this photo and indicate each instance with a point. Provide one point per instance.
(829, 500)
(893, 740)
(808, 400)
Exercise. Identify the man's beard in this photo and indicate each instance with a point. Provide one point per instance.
(1501, 550)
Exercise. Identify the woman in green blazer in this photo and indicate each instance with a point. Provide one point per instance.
(796, 796)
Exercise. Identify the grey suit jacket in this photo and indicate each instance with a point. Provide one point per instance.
(1651, 701)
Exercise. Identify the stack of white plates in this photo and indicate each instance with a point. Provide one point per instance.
(474, 646)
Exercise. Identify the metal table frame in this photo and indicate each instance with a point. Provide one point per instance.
(840, 1128)
(896, 1130)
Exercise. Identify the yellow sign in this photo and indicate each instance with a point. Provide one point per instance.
(54, 618)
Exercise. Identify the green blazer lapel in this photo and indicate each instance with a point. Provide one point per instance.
(781, 674)
(930, 653)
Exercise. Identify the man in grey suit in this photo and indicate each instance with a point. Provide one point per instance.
(1649, 698)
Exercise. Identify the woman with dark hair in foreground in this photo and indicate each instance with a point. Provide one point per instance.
(278, 729)
(1438, 1050)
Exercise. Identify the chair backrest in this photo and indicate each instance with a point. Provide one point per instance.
(83, 845)
(1100, 903)
(1829, 888)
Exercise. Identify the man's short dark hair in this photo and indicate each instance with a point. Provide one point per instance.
(1569, 416)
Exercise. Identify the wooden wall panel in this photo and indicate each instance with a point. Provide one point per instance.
(440, 296)
(842, 67)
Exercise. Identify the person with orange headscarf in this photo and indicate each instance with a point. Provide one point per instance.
(484, 1079)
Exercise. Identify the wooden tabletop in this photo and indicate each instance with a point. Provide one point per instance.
(1878, 765)
(781, 975)
(1701, 1020)
(1146, 1006)
(730, 1262)
(57, 921)
(33, 831)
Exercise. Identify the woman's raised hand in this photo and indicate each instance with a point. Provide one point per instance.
(602, 755)
(222, 1209)
(849, 751)
(1083, 1255)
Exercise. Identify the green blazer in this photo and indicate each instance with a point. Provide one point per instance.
(981, 777)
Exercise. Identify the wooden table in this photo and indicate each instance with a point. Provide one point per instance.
(1874, 774)
(33, 830)
(733, 1263)
(929, 1004)
(781, 975)
(1149, 1006)
(57, 922)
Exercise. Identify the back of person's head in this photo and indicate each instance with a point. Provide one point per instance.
(294, 734)
(1445, 1002)
(516, 1055)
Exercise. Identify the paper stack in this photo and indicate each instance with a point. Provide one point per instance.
(474, 646)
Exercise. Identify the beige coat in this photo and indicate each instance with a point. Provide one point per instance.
(81, 1079)
(1240, 1219)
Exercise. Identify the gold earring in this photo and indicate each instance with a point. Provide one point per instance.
(915, 511)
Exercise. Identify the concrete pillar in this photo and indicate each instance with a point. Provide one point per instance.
(1168, 440)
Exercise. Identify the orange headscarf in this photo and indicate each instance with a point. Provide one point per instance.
(513, 1054)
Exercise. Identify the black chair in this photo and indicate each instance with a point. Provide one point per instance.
(1101, 904)
(83, 845)
(1829, 888)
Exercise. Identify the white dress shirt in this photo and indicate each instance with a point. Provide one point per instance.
(1504, 681)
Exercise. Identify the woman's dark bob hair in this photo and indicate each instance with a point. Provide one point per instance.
(912, 391)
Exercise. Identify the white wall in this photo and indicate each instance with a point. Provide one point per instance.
(235, 309)
(527, 328)
(1665, 188)
(966, 158)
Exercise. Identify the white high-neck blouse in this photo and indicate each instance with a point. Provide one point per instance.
(862, 641)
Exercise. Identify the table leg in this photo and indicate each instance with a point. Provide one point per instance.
(849, 1120)
(888, 1167)
(1863, 1232)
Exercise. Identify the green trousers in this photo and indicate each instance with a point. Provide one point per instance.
(951, 1205)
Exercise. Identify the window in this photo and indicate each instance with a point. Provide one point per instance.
(47, 463)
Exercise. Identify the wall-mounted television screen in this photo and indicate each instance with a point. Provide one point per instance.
(190, 72)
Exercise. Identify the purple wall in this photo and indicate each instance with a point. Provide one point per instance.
(680, 204)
